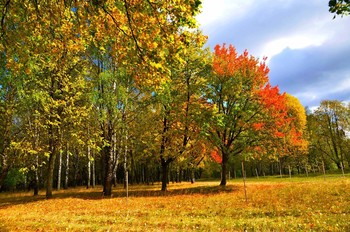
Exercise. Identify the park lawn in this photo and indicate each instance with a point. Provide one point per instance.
(298, 204)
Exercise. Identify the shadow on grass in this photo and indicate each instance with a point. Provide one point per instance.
(16, 199)
(203, 190)
(9, 199)
(120, 192)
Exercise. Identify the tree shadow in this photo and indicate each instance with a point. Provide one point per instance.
(16, 199)
(201, 190)
(10, 199)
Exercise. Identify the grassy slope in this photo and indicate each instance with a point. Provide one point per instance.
(300, 204)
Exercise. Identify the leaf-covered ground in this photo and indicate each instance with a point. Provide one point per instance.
(273, 205)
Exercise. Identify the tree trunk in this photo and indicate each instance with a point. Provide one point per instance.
(224, 169)
(67, 169)
(93, 174)
(52, 157)
(36, 176)
(244, 182)
(6, 134)
(280, 166)
(272, 172)
(324, 170)
(348, 159)
(4, 171)
(165, 166)
(338, 163)
(5, 167)
(116, 158)
(108, 178)
(192, 176)
(59, 171)
(36, 166)
(115, 180)
(49, 184)
(290, 172)
(125, 168)
(177, 175)
(342, 169)
(306, 170)
(76, 167)
(88, 167)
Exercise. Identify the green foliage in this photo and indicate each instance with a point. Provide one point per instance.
(339, 7)
(14, 177)
(327, 131)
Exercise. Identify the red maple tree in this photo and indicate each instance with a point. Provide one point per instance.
(250, 114)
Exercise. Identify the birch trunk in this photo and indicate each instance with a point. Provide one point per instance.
(93, 173)
(66, 179)
(36, 176)
(116, 157)
(88, 167)
(59, 171)
(126, 183)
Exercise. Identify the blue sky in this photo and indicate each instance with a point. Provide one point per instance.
(308, 51)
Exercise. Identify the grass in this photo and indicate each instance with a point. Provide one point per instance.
(274, 204)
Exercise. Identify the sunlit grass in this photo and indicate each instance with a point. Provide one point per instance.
(274, 204)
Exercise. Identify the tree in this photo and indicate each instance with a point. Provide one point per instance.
(179, 103)
(295, 142)
(243, 103)
(297, 127)
(8, 95)
(327, 128)
(339, 7)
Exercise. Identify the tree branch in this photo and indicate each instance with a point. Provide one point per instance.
(4, 12)
(138, 48)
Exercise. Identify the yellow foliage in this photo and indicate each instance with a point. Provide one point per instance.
(297, 111)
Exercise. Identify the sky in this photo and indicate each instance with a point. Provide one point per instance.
(308, 52)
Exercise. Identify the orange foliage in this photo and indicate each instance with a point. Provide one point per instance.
(279, 134)
(258, 126)
(215, 155)
(227, 62)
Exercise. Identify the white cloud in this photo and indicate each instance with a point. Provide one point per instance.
(220, 10)
(343, 83)
(308, 95)
(276, 46)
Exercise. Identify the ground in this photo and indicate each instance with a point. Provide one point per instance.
(273, 204)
